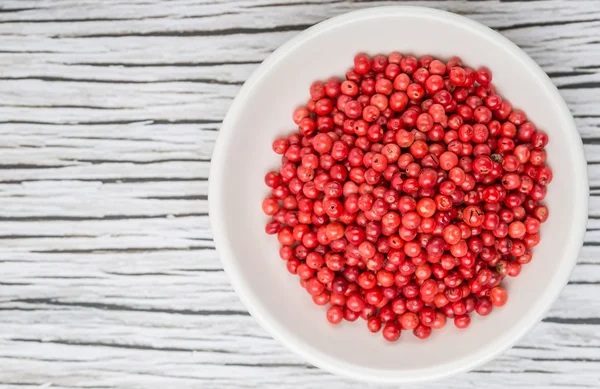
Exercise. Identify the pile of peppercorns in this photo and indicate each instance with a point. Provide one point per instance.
(408, 193)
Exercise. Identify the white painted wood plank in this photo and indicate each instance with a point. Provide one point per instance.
(168, 353)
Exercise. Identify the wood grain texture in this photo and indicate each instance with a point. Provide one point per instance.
(108, 115)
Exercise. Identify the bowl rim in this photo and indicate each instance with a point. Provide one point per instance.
(326, 361)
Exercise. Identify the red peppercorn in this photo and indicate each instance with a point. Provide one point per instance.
(335, 314)
(409, 186)
(462, 321)
(498, 296)
(391, 332)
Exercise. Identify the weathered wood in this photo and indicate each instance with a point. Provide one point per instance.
(108, 115)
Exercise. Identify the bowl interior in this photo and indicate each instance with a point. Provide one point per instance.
(263, 112)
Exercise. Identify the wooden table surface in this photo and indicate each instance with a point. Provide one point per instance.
(108, 114)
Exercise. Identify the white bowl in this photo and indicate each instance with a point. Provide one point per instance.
(262, 111)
